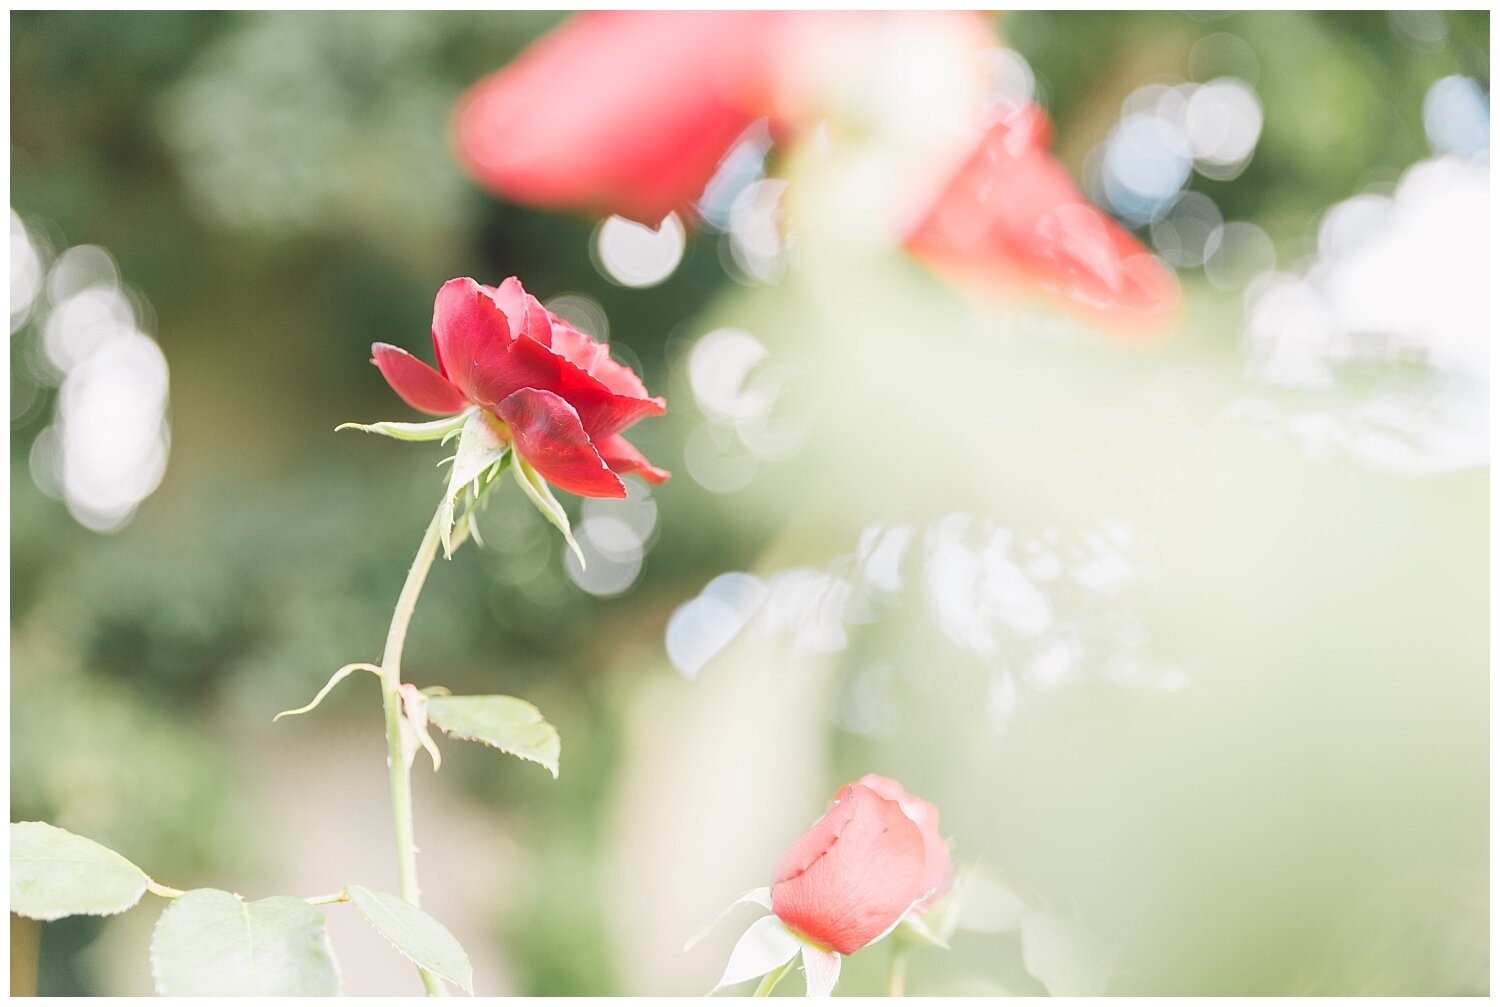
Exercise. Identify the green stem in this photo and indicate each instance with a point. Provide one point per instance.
(168, 892)
(899, 955)
(327, 900)
(768, 983)
(390, 684)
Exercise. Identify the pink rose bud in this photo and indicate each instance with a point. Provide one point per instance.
(854, 874)
(563, 401)
(937, 872)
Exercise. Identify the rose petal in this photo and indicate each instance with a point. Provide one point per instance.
(525, 313)
(549, 435)
(471, 334)
(1012, 217)
(815, 842)
(421, 387)
(937, 873)
(626, 112)
(529, 364)
(626, 459)
(854, 873)
(595, 359)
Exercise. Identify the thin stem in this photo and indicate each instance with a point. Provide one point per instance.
(168, 892)
(327, 900)
(899, 954)
(165, 891)
(390, 678)
(768, 983)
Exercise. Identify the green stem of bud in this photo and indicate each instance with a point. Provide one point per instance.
(900, 952)
(769, 981)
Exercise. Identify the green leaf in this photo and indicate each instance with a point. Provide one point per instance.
(434, 430)
(917, 927)
(416, 935)
(479, 448)
(504, 722)
(987, 906)
(212, 943)
(541, 495)
(1064, 954)
(54, 873)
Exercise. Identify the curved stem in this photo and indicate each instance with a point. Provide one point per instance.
(768, 983)
(390, 685)
(899, 954)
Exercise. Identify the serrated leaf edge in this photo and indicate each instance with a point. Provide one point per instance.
(452, 733)
(467, 987)
(49, 918)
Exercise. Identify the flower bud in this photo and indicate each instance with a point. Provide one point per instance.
(851, 877)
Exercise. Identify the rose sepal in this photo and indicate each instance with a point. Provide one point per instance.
(540, 494)
(433, 430)
(756, 896)
(767, 949)
(477, 465)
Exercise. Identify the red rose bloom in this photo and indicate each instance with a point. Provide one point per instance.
(561, 400)
(1011, 217)
(854, 874)
(631, 113)
(626, 112)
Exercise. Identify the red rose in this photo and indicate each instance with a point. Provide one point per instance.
(631, 112)
(626, 112)
(852, 876)
(560, 400)
(1011, 217)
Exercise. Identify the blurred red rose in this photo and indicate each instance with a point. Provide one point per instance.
(631, 112)
(1012, 217)
(854, 874)
(561, 400)
(626, 112)
(938, 865)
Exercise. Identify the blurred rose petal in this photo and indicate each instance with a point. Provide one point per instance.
(619, 112)
(1011, 217)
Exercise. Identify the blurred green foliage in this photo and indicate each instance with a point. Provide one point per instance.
(280, 189)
